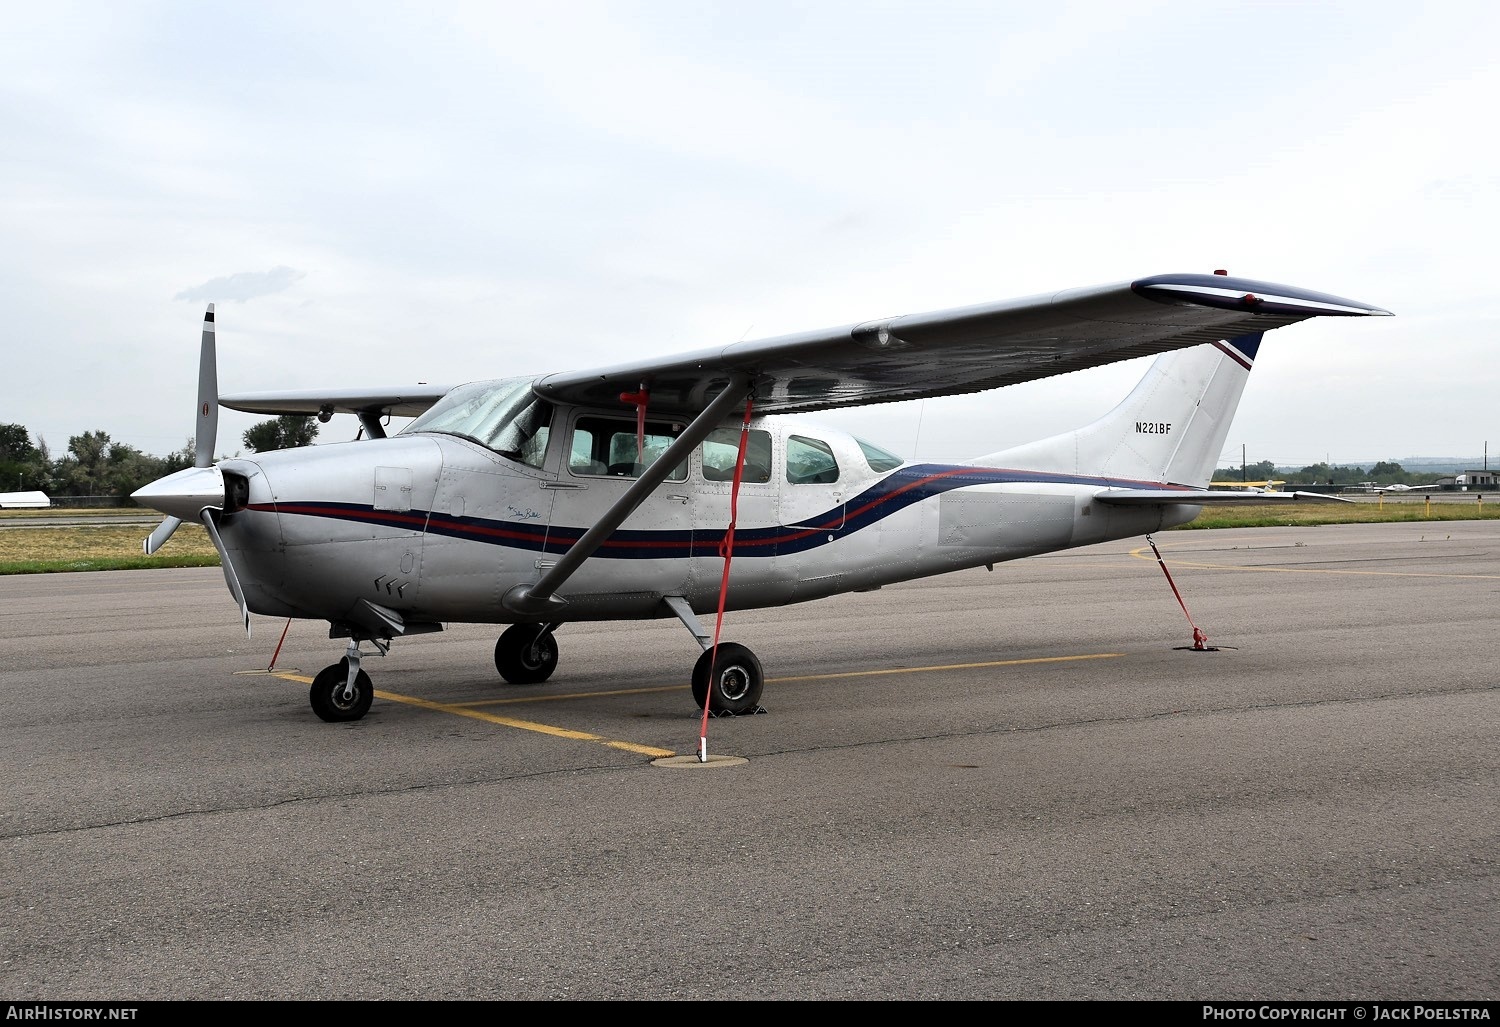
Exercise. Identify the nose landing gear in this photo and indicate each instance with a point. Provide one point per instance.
(343, 691)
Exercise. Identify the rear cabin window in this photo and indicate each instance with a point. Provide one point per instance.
(606, 446)
(809, 462)
(722, 448)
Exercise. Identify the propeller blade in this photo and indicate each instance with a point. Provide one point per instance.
(207, 434)
(200, 488)
(161, 533)
(230, 577)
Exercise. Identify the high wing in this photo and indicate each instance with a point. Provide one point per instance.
(403, 401)
(914, 356)
(964, 350)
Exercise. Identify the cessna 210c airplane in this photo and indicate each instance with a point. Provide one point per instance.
(629, 492)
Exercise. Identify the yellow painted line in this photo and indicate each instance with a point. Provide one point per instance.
(561, 696)
(952, 666)
(808, 677)
(471, 711)
(523, 725)
(1144, 553)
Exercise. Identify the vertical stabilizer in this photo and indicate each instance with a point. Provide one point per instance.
(1171, 428)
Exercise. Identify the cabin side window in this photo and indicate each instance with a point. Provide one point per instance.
(606, 446)
(809, 462)
(722, 448)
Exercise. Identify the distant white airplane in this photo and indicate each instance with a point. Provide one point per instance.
(1370, 486)
(20, 500)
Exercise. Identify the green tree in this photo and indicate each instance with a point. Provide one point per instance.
(1264, 470)
(1326, 474)
(23, 467)
(179, 459)
(98, 466)
(127, 469)
(15, 442)
(83, 470)
(286, 432)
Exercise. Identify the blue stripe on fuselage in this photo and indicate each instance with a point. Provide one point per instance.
(898, 490)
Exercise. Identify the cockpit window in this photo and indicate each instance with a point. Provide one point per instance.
(877, 458)
(504, 415)
(809, 461)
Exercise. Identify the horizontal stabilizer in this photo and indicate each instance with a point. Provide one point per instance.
(1205, 497)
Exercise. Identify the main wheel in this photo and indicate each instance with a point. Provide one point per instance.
(731, 681)
(328, 698)
(526, 654)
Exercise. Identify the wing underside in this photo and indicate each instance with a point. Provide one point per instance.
(399, 402)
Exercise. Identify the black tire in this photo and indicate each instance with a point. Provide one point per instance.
(731, 681)
(526, 654)
(327, 693)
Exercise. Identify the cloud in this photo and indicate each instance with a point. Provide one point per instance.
(246, 285)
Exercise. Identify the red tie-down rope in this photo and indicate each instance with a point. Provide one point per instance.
(639, 400)
(726, 550)
(1200, 640)
(277, 653)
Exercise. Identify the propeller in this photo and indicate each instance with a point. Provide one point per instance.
(197, 492)
(205, 436)
(161, 533)
(230, 578)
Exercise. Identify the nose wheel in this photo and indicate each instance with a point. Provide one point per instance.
(341, 692)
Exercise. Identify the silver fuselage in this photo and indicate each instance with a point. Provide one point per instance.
(439, 528)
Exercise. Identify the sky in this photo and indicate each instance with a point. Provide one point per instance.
(378, 194)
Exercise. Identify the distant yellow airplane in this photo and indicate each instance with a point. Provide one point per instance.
(1263, 486)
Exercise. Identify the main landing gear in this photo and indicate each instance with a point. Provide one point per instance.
(526, 654)
(728, 678)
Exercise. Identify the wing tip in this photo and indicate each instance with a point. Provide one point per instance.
(1218, 290)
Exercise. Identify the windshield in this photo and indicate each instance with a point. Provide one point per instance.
(877, 458)
(504, 415)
